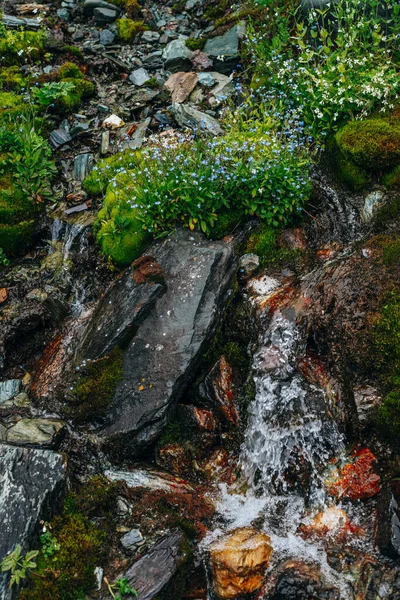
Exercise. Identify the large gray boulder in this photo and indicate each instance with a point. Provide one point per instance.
(31, 482)
(161, 360)
(176, 56)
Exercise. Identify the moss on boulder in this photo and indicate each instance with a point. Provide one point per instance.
(373, 144)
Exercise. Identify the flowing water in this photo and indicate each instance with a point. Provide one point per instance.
(289, 442)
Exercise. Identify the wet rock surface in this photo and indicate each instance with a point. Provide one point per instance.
(31, 483)
(161, 359)
(239, 562)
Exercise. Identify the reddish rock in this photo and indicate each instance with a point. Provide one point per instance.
(3, 295)
(218, 390)
(333, 523)
(175, 459)
(218, 466)
(201, 61)
(181, 85)
(293, 239)
(357, 479)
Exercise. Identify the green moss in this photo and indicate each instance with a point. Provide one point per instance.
(193, 44)
(20, 47)
(74, 51)
(373, 144)
(227, 221)
(69, 573)
(96, 386)
(13, 207)
(131, 7)
(129, 29)
(174, 433)
(15, 239)
(264, 242)
(392, 179)
(391, 253)
(97, 498)
(11, 79)
(215, 10)
(386, 335)
(98, 179)
(10, 104)
(387, 214)
(178, 7)
(389, 417)
(125, 245)
(69, 70)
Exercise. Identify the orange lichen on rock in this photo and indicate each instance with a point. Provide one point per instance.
(357, 480)
(239, 561)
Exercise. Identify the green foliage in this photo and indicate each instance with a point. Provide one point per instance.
(69, 70)
(16, 238)
(260, 175)
(95, 388)
(49, 544)
(129, 29)
(68, 574)
(328, 65)
(20, 47)
(264, 242)
(11, 79)
(386, 335)
(131, 7)
(391, 253)
(392, 179)
(11, 105)
(123, 587)
(228, 221)
(106, 169)
(97, 498)
(373, 144)
(4, 262)
(197, 44)
(50, 92)
(18, 565)
(389, 417)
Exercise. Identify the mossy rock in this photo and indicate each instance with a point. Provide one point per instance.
(13, 209)
(126, 246)
(392, 179)
(16, 238)
(11, 105)
(193, 44)
(96, 386)
(20, 47)
(386, 331)
(105, 170)
(69, 573)
(11, 79)
(227, 221)
(264, 241)
(95, 499)
(389, 417)
(69, 70)
(129, 29)
(131, 7)
(373, 144)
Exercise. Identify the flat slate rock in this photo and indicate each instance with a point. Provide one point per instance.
(155, 569)
(118, 314)
(162, 358)
(31, 482)
(40, 433)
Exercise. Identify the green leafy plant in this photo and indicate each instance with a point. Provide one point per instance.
(50, 92)
(326, 66)
(122, 586)
(18, 564)
(4, 261)
(49, 544)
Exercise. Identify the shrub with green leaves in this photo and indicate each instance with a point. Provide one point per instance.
(329, 65)
(20, 47)
(50, 92)
(18, 565)
(193, 184)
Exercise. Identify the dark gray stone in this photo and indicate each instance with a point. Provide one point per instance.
(177, 55)
(89, 7)
(118, 315)
(225, 50)
(18, 22)
(153, 571)
(82, 165)
(131, 540)
(9, 389)
(105, 15)
(195, 119)
(162, 358)
(59, 137)
(388, 524)
(107, 37)
(31, 482)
